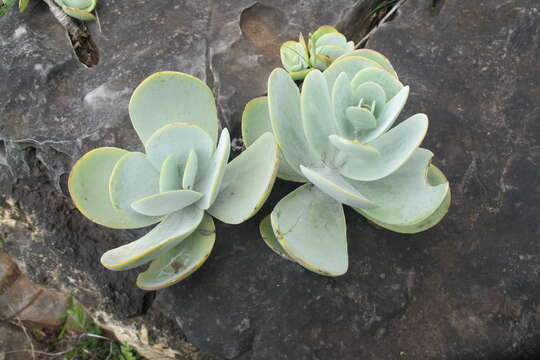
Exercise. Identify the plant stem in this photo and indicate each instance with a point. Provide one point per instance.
(73, 30)
(365, 38)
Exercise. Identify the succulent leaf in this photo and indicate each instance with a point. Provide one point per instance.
(255, 122)
(212, 176)
(86, 5)
(371, 93)
(133, 178)
(331, 39)
(336, 186)
(247, 182)
(169, 97)
(310, 226)
(321, 31)
(324, 46)
(350, 66)
(267, 233)
(174, 228)
(375, 56)
(88, 185)
(355, 149)
(23, 4)
(79, 14)
(434, 177)
(190, 170)
(388, 115)
(284, 109)
(360, 119)
(182, 260)
(405, 197)
(294, 56)
(169, 175)
(166, 202)
(179, 139)
(316, 112)
(394, 147)
(79, 4)
(389, 83)
(342, 97)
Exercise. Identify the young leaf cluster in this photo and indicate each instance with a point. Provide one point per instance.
(323, 47)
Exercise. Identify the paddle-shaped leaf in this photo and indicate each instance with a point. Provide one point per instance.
(169, 176)
(166, 202)
(213, 175)
(133, 178)
(172, 230)
(79, 14)
(88, 185)
(317, 114)
(179, 262)
(337, 187)
(405, 197)
(267, 233)
(190, 170)
(247, 182)
(284, 107)
(255, 122)
(350, 66)
(169, 97)
(434, 177)
(375, 56)
(310, 226)
(394, 147)
(178, 140)
(388, 82)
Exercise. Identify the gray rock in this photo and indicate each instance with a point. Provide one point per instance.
(467, 289)
(14, 343)
(53, 110)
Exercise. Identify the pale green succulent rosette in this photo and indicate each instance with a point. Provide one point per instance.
(324, 46)
(179, 183)
(337, 136)
(295, 58)
(78, 9)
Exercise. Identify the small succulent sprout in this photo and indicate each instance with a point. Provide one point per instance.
(327, 44)
(78, 9)
(324, 46)
(337, 137)
(295, 58)
(181, 180)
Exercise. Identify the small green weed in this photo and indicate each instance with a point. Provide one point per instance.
(381, 5)
(90, 342)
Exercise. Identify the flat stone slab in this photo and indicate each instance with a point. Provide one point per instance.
(466, 289)
(53, 110)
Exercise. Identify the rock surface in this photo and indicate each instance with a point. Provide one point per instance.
(52, 110)
(24, 302)
(468, 288)
(12, 341)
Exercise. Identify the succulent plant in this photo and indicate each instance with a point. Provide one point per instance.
(180, 182)
(336, 136)
(78, 9)
(324, 46)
